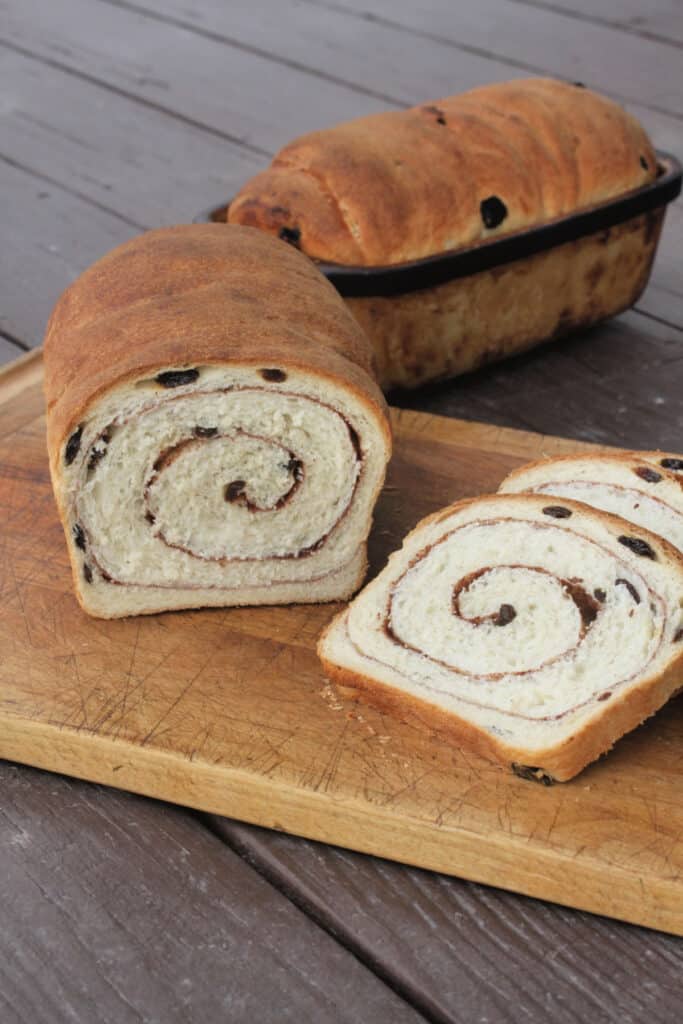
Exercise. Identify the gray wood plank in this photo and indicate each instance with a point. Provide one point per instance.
(140, 163)
(118, 909)
(261, 102)
(542, 39)
(661, 19)
(473, 953)
(362, 45)
(49, 237)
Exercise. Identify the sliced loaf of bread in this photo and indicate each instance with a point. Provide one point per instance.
(215, 432)
(537, 633)
(635, 485)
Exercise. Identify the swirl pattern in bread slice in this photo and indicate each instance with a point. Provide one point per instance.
(215, 434)
(536, 632)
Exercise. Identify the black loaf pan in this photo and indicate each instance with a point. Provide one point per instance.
(431, 271)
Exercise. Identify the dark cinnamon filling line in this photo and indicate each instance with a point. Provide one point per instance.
(233, 492)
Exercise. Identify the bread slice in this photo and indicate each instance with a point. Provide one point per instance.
(635, 485)
(215, 433)
(535, 639)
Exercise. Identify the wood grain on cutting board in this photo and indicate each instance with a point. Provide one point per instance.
(228, 710)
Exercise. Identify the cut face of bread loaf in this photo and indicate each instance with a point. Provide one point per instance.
(634, 485)
(215, 434)
(535, 638)
(403, 185)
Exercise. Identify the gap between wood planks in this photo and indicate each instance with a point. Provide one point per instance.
(347, 10)
(588, 15)
(418, 999)
(134, 97)
(17, 342)
(125, 903)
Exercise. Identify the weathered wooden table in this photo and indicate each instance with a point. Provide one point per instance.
(118, 116)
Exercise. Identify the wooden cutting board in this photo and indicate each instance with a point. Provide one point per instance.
(228, 711)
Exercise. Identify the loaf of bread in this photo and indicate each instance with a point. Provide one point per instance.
(535, 637)
(215, 433)
(633, 485)
(403, 185)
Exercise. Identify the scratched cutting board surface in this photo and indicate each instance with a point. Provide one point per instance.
(228, 711)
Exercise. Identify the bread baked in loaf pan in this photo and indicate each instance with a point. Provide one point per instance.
(444, 315)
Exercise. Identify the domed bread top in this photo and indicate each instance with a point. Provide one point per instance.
(403, 185)
(203, 293)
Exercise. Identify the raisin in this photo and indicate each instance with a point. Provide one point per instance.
(606, 695)
(291, 235)
(631, 589)
(205, 431)
(557, 511)
(176, 378)
(440, 119)
(79, 536)
(295, 467)
(506, 613)
(649, 474)
(675, 464)
(638, 546)
(678, 635)
(151, 518)
(493, 211)
(234, 490)
(600, 595)
(579, 85)
(73, 445)
(274, 375)
(532, 774)
(87, 573)
(644, 164)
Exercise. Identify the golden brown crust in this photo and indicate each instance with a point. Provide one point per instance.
(400, 186)
(197, 295)
(560, 762)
